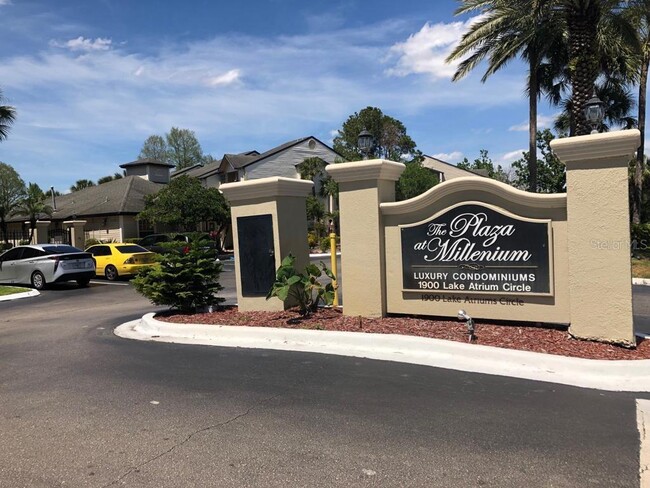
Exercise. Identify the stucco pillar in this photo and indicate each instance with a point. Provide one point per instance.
(269, 222)
(41, 232)
(363, 185)
(77, 236)
(598, 230)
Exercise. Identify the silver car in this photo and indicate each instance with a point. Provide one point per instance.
(41, 264)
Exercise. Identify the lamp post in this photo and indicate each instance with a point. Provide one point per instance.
(594, 112)
(364, 142)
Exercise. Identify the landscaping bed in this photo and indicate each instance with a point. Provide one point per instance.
(524, 337)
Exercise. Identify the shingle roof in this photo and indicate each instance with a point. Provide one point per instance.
(140, 162)
(121, 196)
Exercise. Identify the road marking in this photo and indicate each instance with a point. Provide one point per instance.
(108, 283)
(643, 423)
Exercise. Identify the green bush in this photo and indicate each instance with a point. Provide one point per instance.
(303, 290)
(131, 240)
(312, 240)
(5, 246)
(325, 243)
(186, 281)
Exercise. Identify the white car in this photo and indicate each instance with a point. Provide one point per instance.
(41, 264)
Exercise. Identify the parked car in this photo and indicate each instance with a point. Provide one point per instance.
(41, 264)
(119, 259)
(154, 242)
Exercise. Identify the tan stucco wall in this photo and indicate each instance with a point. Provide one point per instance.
(285, 200)
(600, 278)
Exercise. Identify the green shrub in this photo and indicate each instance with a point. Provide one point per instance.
(186, 281)
(325, 243)
(303, 290)
(24, 242)
(131, 240)
(312, 240)
(5, 246)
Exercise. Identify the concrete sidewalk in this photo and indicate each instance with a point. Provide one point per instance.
(16, 296)
(633, 376)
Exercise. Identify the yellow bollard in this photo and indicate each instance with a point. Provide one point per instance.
(333, 267)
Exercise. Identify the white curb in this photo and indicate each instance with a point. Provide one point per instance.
(641, 281)
(16, 296)
(587, 373)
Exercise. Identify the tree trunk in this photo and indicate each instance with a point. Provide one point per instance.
(533, 89)
(582, 21)
(637, 200)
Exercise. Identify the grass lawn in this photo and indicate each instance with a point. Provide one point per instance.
(641, 267)
(9, 290)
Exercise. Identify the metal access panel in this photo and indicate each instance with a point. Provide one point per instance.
(256, 254)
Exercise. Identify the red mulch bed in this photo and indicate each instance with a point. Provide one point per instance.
(524, 337)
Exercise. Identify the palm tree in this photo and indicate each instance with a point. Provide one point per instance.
(640, 17)
(529, 29)
(7, 117)
(33, 207)
(601, 40)
(81, 184)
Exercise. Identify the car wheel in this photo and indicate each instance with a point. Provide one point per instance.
(38, 280)
(83, 282)
(111, 273)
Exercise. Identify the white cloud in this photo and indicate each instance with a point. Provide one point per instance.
(452, 157)
(5, 2)
(227, 78)
(82, 44)
(543, 121)
(511, 156)
(425, 51)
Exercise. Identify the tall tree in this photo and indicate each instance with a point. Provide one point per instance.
(12, 191)
(81, 185)
(7, 118)
(184, 204)
(33, 207)
(106, 179)
(184, 149)
(154, 147)
(390, 138)
(484, 164)
(530, 29)
(600, 39)
(551, 176)
(414, 180)
(639, 13)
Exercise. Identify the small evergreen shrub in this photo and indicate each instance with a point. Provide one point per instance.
(312, 240)
(186, 280)
(640, 238)
(91, 242)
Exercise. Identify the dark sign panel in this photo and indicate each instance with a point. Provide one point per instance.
(256, 255)
(476, 249)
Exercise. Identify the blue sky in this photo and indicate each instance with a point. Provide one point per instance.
(92, 79)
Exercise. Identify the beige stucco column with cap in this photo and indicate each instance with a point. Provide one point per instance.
(598, 229)
(284, 199)
(363, 185)
(77, 236)
(41, 232)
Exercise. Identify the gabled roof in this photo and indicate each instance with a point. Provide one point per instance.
(283, 147)
(146, 161)
(440, 161)
(121, 196)
(183, 171)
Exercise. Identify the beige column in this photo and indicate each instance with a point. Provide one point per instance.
(41, 232)
(77, 236)
(363, 185)
(598, 229)
(284, 200)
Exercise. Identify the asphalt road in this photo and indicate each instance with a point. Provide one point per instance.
(80, 407)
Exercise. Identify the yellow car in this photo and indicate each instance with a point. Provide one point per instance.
(120, 259)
